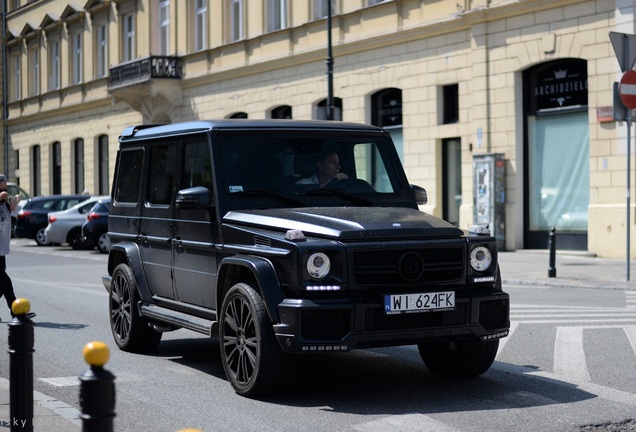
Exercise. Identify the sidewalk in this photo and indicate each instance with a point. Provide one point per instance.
(525, 267)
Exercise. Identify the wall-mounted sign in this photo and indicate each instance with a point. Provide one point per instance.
(558, 84)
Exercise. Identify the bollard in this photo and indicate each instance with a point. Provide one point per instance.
(97, 390)
(552, 246)
(21, 367)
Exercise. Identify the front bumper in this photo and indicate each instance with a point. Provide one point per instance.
(318, 326)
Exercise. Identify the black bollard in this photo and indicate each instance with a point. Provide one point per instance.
(97, 390)
(21, 367)
(552, 245)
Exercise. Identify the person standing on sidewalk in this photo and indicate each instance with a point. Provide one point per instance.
(7, 205)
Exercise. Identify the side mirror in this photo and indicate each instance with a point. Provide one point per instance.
(194, 198)
(421, 197)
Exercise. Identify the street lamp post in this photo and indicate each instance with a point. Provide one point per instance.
(330, 107)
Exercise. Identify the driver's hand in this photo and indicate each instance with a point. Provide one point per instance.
(341, 176)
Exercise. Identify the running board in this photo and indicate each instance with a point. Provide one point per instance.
(179, 319)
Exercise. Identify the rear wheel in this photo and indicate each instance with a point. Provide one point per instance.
(250, 353)
(40, 237)
(103, 243)
(130, 330)
(462, 359)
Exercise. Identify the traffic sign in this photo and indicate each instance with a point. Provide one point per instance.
(625, 48)
(627, 89)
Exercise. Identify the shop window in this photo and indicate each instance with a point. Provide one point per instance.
(386, 112)
(78, 155)
(282, 112)
(321, 109)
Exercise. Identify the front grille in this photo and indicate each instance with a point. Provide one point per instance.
(493, 314)
(377, 320)
(388, 267)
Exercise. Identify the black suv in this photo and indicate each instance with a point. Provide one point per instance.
(231, 228)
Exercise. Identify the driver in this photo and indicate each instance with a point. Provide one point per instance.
(327, 170)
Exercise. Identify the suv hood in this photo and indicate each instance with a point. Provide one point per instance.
(349, 223)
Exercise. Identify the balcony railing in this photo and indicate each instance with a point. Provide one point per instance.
(145, 69)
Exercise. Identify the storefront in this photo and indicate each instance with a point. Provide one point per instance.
(556, 154)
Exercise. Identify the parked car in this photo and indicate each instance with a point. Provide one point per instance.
(255, 235)
(32, 219)
(65, 226)
(95, 228)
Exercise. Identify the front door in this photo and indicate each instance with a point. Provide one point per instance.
(194, 235)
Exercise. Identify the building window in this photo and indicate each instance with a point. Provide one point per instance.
(320, 8)
(16, 165)
(78, 150)
(276, 15)
(200, 25)
(321, 110)
(450, 101)
(34, 71)
(128, 36)
(102, 165)
(238, 115)
(386, 112)
(282, 112)
(236, 20)
(36, 171)
(56, 168)
(374, 2)
(14, 4)
(101, 51)
(15, 77)
(54, 65)
(164, 27)
(76, 57)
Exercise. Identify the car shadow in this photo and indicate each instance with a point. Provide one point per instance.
(387, 381)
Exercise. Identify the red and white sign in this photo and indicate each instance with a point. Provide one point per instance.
(627, 89)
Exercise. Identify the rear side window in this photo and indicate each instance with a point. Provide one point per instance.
(128, 180)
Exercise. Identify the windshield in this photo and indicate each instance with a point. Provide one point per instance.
(303, 170)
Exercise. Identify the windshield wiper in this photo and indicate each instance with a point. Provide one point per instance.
(339, 192)
(271, 193)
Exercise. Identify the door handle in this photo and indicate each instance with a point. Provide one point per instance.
(177, 242)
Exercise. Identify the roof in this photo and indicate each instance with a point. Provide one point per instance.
(134, 133)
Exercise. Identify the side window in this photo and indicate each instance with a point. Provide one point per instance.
(370, 167)
(197, 170)
(160, 176)
(129, 176)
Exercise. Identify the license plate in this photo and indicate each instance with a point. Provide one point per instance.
(425, 302)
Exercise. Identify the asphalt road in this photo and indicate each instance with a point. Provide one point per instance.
(569, 362)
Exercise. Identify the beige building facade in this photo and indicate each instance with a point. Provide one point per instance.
(500, 109)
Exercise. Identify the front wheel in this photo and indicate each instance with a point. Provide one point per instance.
(130, 330)
(462, 359)
(250, 353)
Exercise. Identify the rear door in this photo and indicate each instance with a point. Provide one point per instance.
(195, 230)
(155, 222)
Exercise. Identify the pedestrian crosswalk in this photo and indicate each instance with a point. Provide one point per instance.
(569, 326)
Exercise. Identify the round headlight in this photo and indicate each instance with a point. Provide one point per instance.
(318, 265)
(480, 258)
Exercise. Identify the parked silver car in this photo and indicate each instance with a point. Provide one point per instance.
(65, 226)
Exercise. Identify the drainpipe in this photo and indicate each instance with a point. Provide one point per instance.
(5, 89)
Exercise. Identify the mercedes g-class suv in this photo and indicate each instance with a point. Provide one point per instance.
(285, 237)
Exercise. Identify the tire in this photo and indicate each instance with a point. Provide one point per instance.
(130, 330)
(75, 239)
(40, 237)
(103, 243)
(463, 359)
(251, 357)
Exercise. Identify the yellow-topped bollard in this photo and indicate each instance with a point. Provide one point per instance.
(96, 353)
(21, 341)
(21, 306)
(190, 430)
(97, 390)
